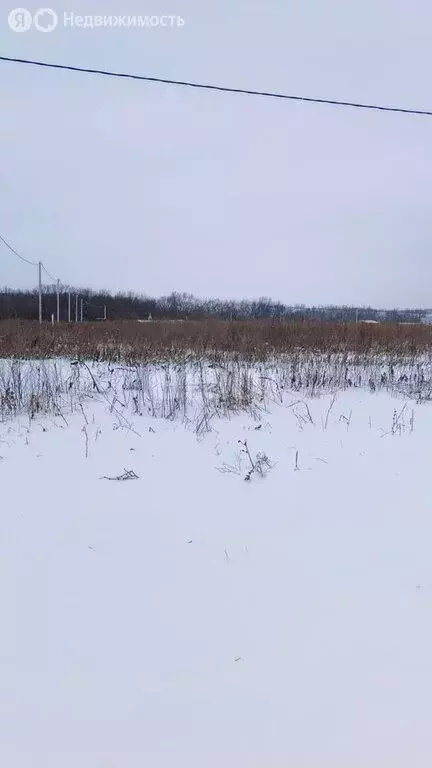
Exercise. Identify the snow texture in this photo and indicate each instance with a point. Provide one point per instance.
(182, 616)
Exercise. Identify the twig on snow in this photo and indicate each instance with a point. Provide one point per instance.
(128, 474)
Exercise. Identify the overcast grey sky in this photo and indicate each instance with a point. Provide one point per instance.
(153, 188)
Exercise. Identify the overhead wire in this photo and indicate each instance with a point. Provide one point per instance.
(212, 87)
(48, 273)
(8, 245)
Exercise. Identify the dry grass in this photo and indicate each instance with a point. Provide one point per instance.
(130, 341)
(198, 370)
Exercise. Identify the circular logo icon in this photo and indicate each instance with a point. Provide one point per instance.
(45, 19)
(20, 20)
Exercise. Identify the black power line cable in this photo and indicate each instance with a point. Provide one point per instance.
(48, 273)
(27, 261)
(222, 88)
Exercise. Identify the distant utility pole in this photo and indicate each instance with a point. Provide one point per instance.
(104, 311)
(76, 308)
(69, 307)
(40, 292)
(356, 315)
(82, 300)
(58, 300)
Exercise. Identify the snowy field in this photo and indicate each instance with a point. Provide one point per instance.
(182, 616)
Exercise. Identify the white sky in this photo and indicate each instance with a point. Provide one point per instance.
(129, 185)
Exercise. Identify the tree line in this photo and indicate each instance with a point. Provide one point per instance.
(20, 304)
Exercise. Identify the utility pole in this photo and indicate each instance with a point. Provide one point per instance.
(82, 309)
(40, 292)
(69, 307)
(104, 311)
(76, 308)
(58, 300)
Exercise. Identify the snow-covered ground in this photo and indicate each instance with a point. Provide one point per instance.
(186, 617)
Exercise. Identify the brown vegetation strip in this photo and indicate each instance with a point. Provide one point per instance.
(130, 341)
